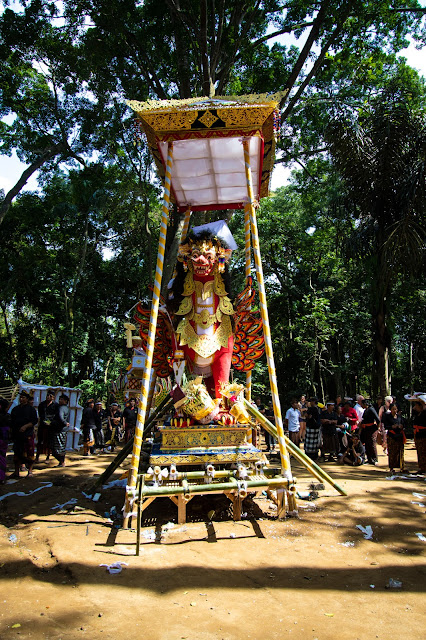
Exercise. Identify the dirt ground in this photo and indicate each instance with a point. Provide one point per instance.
(314, 576)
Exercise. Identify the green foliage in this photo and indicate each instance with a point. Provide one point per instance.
(380, 150)
(61, 298)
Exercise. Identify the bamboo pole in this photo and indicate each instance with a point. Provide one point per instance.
(285, 458)
(222, 473)
(309, 464)
(128, 512)
(215, 487)
(248, 272)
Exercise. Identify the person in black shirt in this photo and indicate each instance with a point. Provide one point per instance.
(47, 410)
(269, 439)
(114, 424)
(329, 432)
(130, 415)
(4, 437)
(88, 424)
(369, 429)
(99, 415)
(59, 430)
(23, 420)
(419, 426)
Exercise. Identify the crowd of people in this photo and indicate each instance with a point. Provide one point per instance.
(348, 432)
(43, 431)
(105, 427)
(19, 426)
(341, 430)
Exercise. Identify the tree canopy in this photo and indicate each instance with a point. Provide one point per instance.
(342, 245)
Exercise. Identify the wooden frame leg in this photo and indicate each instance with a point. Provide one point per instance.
(281, 503)
(181, 510)
(237, 501)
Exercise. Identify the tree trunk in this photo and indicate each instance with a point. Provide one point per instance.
(13, 371)
(172, 244)
(381, 347)
(69, 305)
(26, 175)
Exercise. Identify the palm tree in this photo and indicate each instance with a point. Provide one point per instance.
(380, 151)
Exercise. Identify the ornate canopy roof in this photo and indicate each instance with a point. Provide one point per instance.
(208, 160)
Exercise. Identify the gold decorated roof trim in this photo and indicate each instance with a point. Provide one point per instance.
(270, 99)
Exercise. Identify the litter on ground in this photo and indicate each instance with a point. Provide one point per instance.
(115, 567)
(367, 531)
(45, 485)
(61, 506)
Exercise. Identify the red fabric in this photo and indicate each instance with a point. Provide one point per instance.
(351, 416)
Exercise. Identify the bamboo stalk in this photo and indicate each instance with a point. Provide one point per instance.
(223, 473)
(142, 406)
(248, 272)
(214, 487)
(285, 458)
(309, 464)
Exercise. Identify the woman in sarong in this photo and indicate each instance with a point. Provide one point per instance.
(59, 430)
(395, 438)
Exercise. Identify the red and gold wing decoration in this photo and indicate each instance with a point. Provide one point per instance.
(163, 347)
(248, 342)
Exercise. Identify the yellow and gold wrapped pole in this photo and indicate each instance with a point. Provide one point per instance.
(248, 273)
(285, 459)
(143, 400)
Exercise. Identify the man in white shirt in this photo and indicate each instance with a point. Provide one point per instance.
(358, 408)
(292, 422)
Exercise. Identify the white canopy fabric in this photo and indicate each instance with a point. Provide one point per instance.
(221, 230)
(210, 171)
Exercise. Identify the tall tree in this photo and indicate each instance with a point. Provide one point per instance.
(68, 67)
(381, 153)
